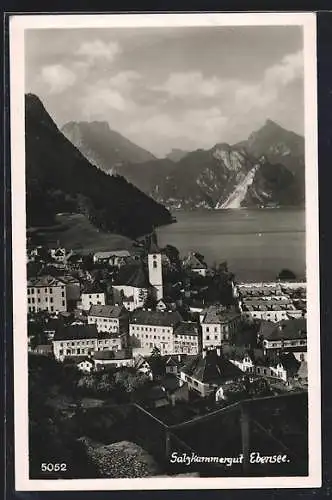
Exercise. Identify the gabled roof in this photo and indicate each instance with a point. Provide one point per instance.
(156, 318)
(106, 311)
(133, 275)
(211, 369)
(193, 262)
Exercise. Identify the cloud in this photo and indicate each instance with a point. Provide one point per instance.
(188, 129)
(98, 50)
(57, 77)
(289, 69)
(193, 83)
(125, 80)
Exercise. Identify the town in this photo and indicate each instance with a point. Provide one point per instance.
(176, 337)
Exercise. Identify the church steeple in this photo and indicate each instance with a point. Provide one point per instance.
(155, 267)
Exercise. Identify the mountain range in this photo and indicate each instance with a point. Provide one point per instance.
(267, 169)
(60, 179)
(103, 146)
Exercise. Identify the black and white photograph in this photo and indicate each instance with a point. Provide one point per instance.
(165, 251)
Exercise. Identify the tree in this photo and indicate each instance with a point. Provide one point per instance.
(286, 274)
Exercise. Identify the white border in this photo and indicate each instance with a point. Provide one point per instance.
(17, 106)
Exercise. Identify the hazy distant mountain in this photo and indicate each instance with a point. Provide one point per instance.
(176, 154)
(102, 146)
(60, 179)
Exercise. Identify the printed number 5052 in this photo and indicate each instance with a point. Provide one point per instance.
(53, 467)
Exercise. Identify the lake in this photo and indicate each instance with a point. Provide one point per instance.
(256, 243)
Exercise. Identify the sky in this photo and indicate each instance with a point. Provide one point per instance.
(165, 88)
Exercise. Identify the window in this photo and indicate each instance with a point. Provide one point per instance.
(63, 302)
(207, 329)
(63, 294)
(51, 290)
(28, 300)
(215, 329)
(208, 337)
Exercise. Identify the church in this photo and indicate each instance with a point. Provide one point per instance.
(136, 282)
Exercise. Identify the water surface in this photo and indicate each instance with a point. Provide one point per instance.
(257, 243)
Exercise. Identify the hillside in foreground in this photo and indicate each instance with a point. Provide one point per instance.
(60, 179)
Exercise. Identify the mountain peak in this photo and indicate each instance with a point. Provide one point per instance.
(271, 123)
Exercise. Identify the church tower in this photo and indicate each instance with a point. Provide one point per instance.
(155, 269)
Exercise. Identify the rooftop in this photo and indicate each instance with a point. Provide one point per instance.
(211, 369)
(218, 314)
(77, 332)
(111, 355)
(186, 328)
(112, 253)
(133, 275)
(45, 281)
(286, 329)
(156, 318)
(194, 262)
(106, 311)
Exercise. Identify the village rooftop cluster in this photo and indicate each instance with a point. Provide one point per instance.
(125, 309)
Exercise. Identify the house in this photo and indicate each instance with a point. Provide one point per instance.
(115, 258)
(93, 298)
(58, 254)
(154, 329)
(172, 365)
(209, 371)
(284, 335)
(46, 293)
(280, 366)
(107, 358)
(82, 340)
(186, 338)
(142, 365)
(194, 263)
(131, 287)
(86, 364)
(108, 318)
(218, 324)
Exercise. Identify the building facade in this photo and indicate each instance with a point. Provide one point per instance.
(107, 318)
(82, 340)
(92, 299)
(154, 329)
(46, 294)
(218, 326)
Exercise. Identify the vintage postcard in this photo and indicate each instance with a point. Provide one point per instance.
(165, 251)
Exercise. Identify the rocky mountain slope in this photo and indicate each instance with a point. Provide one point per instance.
(267, 169)
(60, 179)
(277, 145)
(102, 146)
